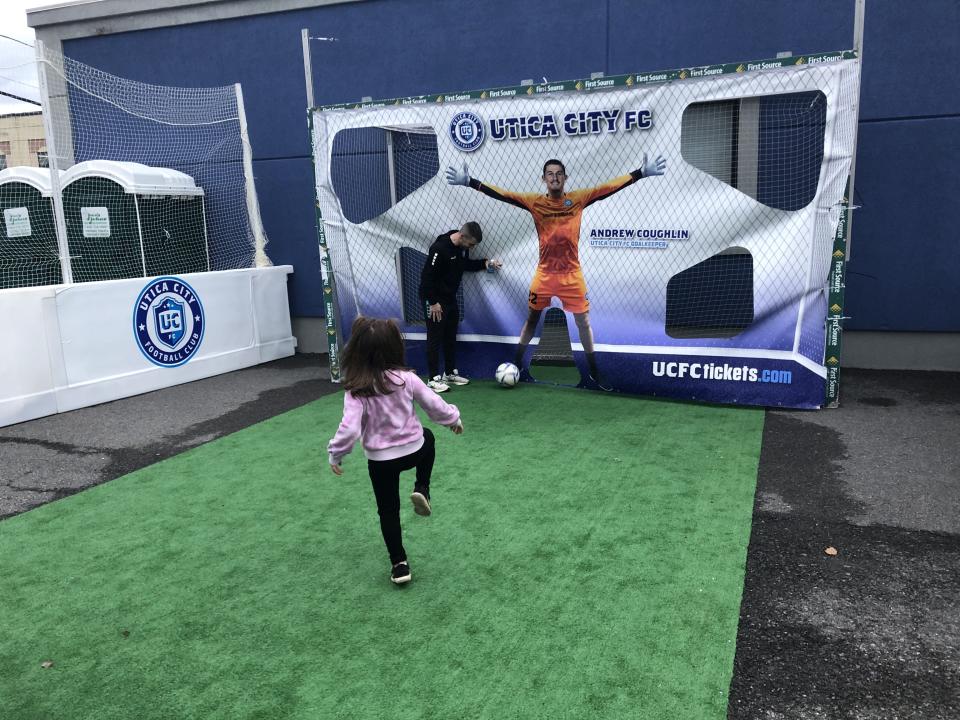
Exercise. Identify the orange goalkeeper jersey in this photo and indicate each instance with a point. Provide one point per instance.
(558, 221)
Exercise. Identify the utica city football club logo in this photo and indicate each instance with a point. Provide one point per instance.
(466, 131)
(168, 322)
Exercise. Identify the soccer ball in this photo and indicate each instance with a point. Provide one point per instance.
(507, 374)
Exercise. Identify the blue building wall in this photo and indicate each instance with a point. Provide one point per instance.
(905, 252)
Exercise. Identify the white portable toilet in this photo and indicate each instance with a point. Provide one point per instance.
(126, 219)
(29, 254)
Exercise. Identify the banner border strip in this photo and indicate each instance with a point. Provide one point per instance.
(606, 83)
(758, 354)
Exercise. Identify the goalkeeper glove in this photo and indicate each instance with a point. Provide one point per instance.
(458, 177)
(658, 166)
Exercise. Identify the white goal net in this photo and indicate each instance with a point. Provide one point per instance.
(152, 180)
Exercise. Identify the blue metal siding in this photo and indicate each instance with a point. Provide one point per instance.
(390, 48)
(906, 257)
(652, 35)
(285, 188)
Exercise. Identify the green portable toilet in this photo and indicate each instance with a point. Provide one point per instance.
(29, 254)
(126, 220)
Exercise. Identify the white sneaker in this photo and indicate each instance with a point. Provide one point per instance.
(455, 378)
(437, 384)
(421, 502)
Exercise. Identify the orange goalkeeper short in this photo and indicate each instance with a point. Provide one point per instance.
(570, 288)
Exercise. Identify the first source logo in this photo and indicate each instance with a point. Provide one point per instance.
(466, 131)
(168, 322)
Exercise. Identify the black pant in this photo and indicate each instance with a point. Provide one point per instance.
(385, 476)
(443, 333)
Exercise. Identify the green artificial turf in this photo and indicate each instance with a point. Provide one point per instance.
(585, 560)
(556, 374)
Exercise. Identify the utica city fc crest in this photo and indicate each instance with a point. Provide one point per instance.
(168, 322)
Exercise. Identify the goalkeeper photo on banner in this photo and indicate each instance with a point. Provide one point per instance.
(557, 215)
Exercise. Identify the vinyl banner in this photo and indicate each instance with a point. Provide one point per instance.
(678, 243)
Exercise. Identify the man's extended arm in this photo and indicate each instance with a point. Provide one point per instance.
(472, 265)
(657, 166)
(462, 177)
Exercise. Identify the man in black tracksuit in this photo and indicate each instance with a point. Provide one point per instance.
(449, 257)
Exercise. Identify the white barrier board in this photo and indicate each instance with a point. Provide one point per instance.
(71, 346)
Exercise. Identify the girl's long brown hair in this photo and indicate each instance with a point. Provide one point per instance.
(375, 346)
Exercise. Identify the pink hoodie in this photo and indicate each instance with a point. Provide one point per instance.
(388, 424)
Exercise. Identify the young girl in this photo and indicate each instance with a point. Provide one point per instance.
(378, 408)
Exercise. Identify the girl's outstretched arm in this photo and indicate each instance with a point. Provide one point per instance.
(440, 412)
(349, 431)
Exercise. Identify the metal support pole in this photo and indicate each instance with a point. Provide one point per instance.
(327, 280)
(54, 161)
(307, 65)
(841, 251)
(858, 47)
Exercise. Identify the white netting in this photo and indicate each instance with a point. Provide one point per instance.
(28, 241)
(728, 249)
(155, 180)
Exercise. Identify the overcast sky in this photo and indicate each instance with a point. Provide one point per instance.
(18, 75)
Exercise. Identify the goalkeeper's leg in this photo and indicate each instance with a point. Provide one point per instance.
(586, 339)
(526, 335)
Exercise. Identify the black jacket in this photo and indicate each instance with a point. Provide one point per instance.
(443, 270)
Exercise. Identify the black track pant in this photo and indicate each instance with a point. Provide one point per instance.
(443, 334)
(385, 476)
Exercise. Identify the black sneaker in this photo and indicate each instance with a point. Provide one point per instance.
(421, 501)
(400, 573)
(591, 383)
